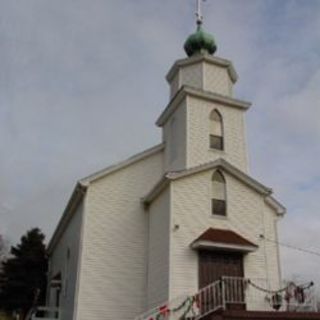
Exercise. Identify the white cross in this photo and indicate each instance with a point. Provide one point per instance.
(199, 12)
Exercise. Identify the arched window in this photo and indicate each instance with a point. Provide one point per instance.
(216, 130)
(219, 194)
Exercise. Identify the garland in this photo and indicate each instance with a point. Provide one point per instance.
(165, 311)
(302, 287)
(266, 290)
(277, 299)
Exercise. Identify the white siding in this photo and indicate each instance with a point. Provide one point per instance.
(174, 85)
(247, 214)
(175, 138)
(192, 75)
(70, 238)
(216, 79)
(158, 255)
(202, 75)
(114, 261)
(198, 129)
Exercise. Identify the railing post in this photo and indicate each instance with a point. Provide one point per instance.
(223, 293)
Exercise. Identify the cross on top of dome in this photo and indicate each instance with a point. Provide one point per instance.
(200, 42)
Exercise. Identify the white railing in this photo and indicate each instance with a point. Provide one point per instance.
(172, 310)
(209, 299)
(247, 294)
(204, 302)
(45, 313)
(259, 295)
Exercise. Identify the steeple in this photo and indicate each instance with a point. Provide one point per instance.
(200, 42)
(203, 122)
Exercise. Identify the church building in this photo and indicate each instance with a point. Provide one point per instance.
(180, 230)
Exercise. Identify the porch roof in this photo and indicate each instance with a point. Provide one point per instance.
(219, 239)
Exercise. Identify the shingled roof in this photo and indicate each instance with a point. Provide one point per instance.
(223, 239)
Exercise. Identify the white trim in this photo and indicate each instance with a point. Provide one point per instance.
(276, 205)
(198, 93)
(156, 190)
(76, 197)
(203, 58)
(79, 262)
(226, 167)
(120, 165)
(205, 244)
(82, 185)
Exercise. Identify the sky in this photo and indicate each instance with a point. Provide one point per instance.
(82, 83)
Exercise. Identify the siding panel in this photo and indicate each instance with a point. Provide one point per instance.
(113, 278)
(158, 268)
(69, 239)
(247, 214)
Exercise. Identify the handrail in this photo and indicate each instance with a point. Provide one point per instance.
(209, 299)
(205, 301)
(48, 313)
(229, 290)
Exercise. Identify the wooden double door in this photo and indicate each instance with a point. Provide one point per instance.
(215, 265)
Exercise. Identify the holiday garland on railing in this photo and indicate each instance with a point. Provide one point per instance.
(164, 311)
(276, 298)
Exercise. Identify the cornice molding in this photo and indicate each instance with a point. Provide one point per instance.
(186, 91)
(203, 58)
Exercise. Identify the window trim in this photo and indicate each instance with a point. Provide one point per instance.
(219, 202)
(212, 198)
(221, 142)
(216, 111)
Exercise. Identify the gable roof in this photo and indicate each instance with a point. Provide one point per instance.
(223, 239)
(120, 165)
(75, 199)
(81, 188)
(205, 95)
(217, 164)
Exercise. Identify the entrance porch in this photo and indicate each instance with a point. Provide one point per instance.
(240, 298)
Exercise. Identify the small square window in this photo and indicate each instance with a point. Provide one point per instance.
(216, 142)
(218, 207)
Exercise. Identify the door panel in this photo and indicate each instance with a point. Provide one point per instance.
(214, 265)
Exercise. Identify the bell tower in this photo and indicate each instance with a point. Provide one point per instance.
(203, 121)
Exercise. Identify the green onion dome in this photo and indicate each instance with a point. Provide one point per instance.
(200, 42)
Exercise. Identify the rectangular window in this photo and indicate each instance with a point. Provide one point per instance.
(218, 207)
(216, 142)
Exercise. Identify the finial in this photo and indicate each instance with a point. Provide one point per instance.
(199, 12)
(200, 42)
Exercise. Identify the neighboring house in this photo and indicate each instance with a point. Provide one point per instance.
(175, 218)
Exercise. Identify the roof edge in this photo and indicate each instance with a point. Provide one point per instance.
(198, 93)
(207, 58)
(276, 205)
(155, 191)
(122, 164)
(228, 167)
(76, 196)
(211, 245)
(219, 163)
(227, 238)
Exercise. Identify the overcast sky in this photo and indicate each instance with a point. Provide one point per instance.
(82, 83)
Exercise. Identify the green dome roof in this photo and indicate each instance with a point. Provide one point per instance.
(200, 42)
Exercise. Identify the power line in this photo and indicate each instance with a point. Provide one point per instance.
(315, 253)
